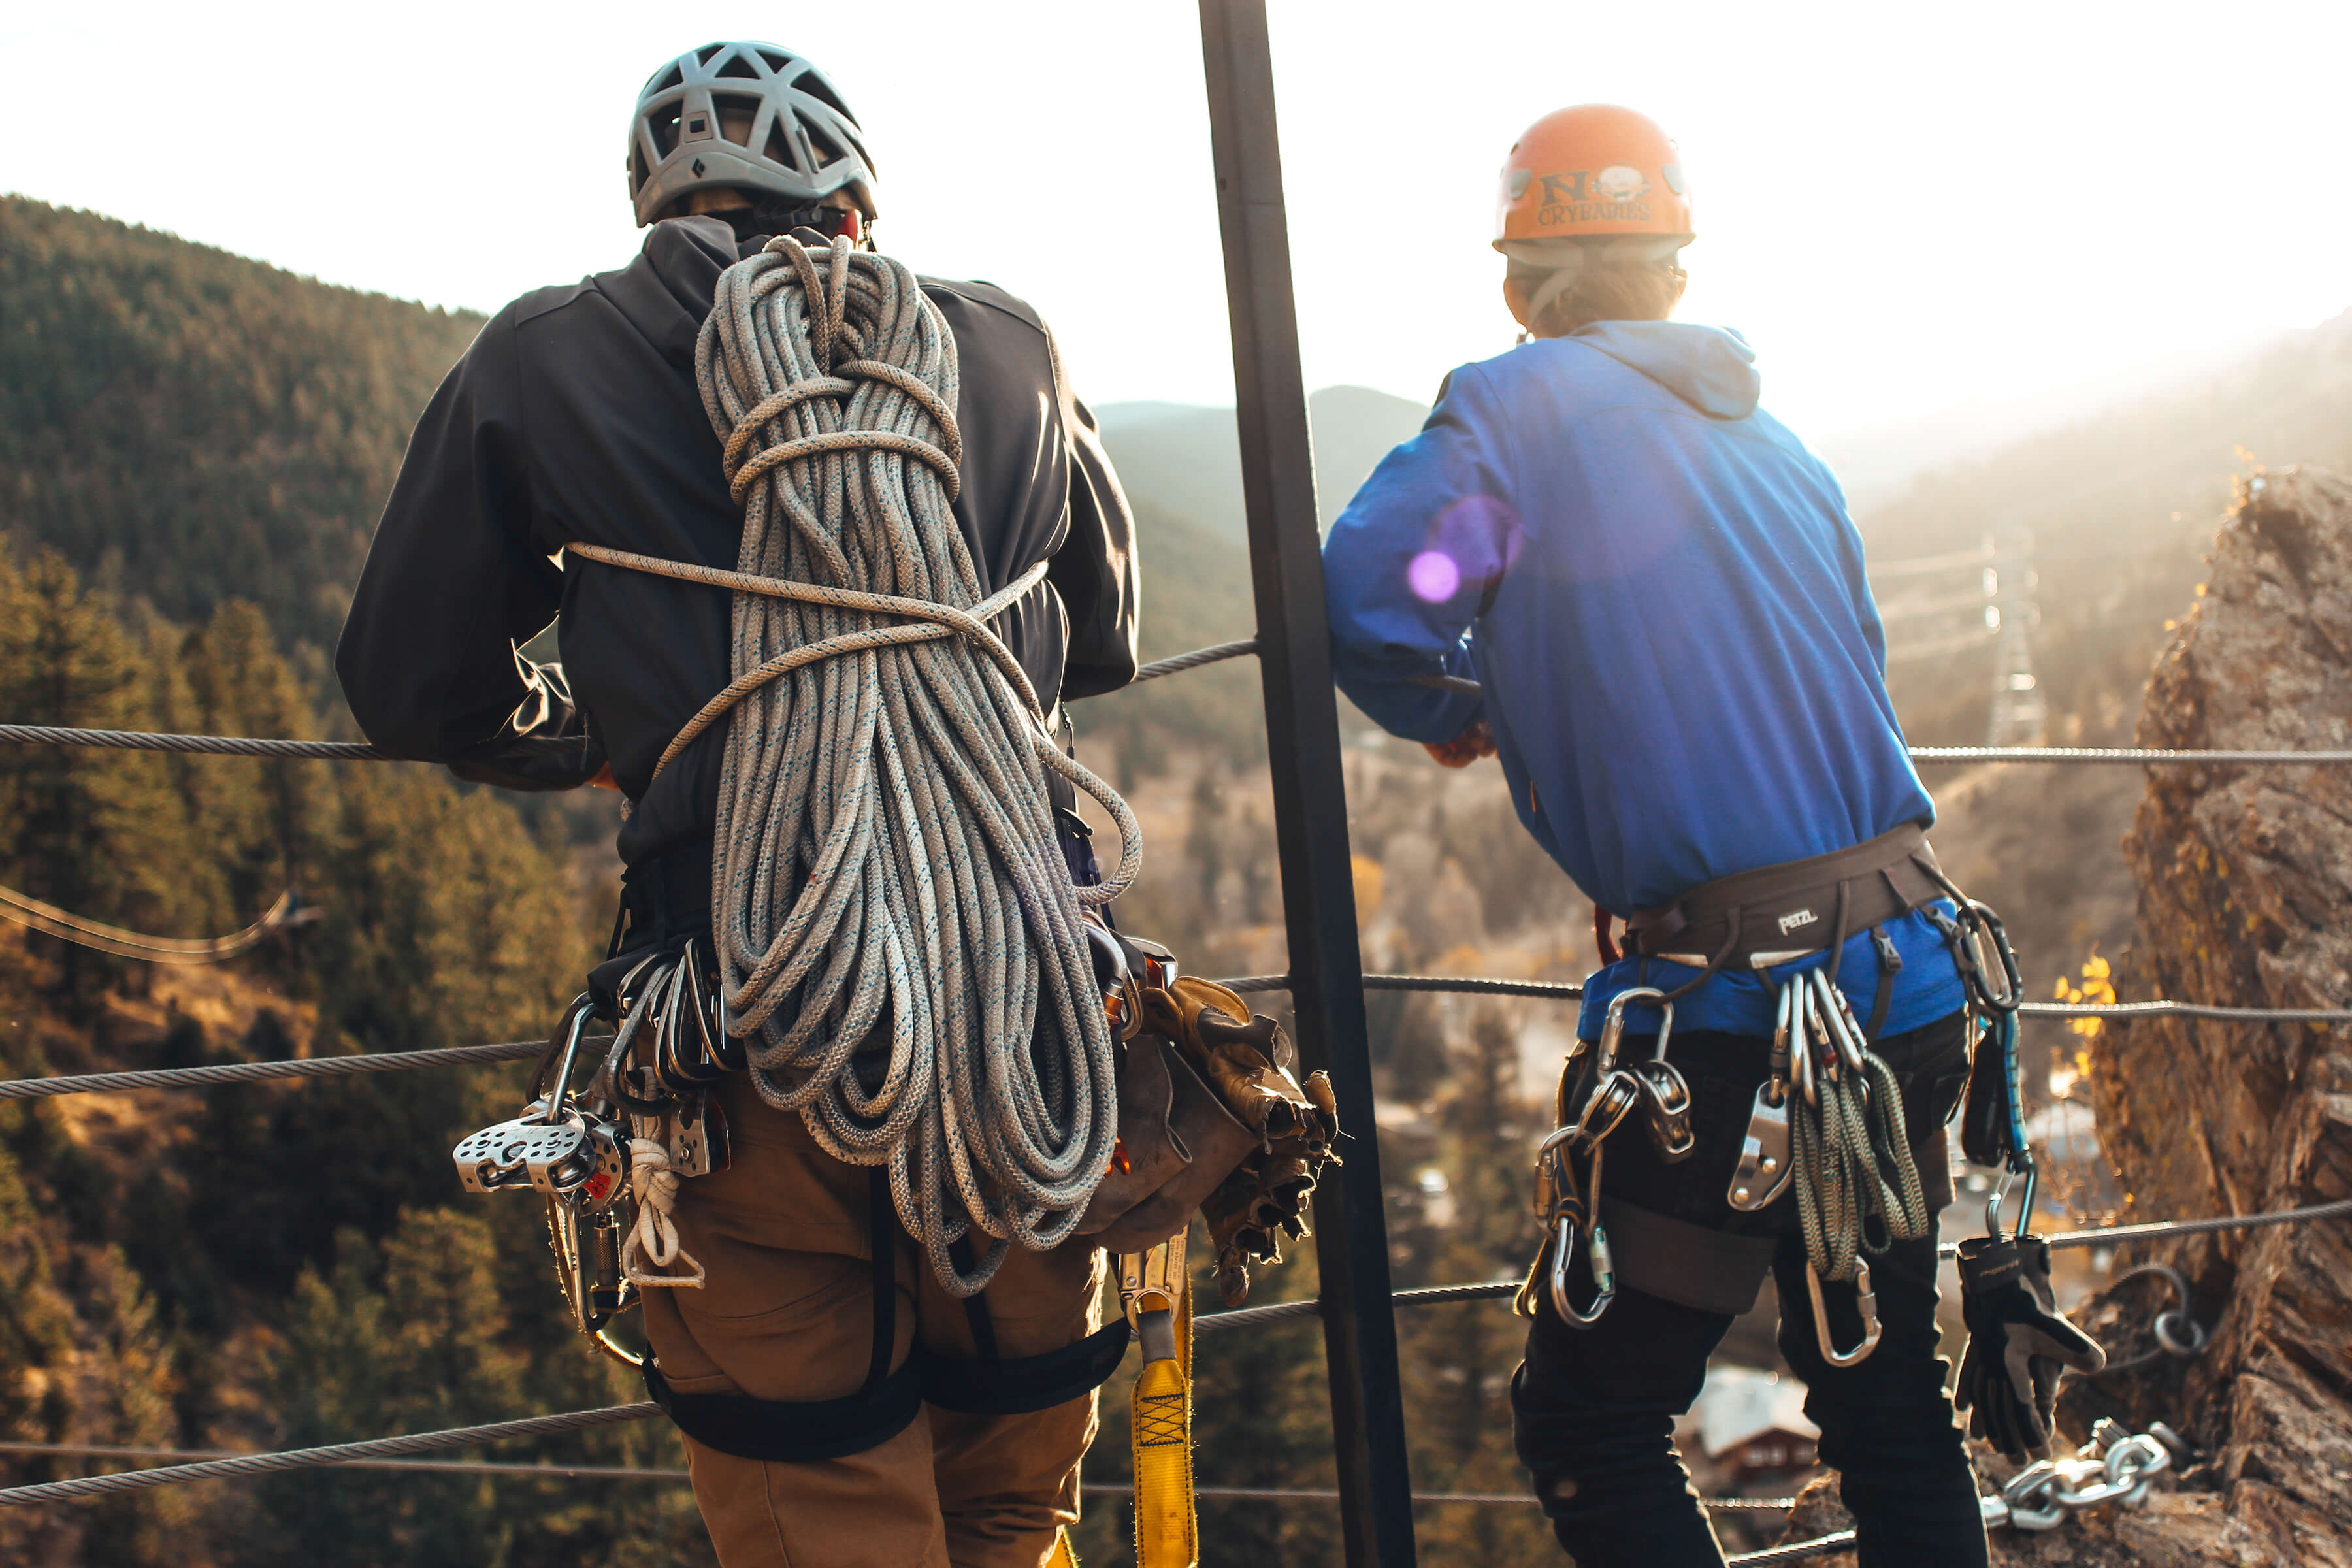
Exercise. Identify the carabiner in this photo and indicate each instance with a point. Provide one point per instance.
(1596, 1257)
(570, 1030)
(1613, 1023)
(1837, 1021)
(1800, 1047)
(1863, 1301)
(2020, 1163)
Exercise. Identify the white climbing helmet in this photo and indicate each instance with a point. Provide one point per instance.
(744, 116)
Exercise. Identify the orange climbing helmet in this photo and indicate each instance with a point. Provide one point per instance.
(1590, 173)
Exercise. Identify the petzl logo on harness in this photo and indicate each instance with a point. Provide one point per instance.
(1801, 917)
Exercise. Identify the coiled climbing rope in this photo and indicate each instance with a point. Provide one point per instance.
(897, 935)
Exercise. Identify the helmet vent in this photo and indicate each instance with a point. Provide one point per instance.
(816, 87)
(821, 145)
(638, 173)
(663, 123)
(709, 52)
(668, 79)
(779, 149)
(738, 113)
(777, 60)
(737, 65)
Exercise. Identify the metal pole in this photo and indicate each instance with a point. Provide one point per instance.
(1302, 722)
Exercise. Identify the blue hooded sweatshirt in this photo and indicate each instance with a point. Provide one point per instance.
(1662, 595)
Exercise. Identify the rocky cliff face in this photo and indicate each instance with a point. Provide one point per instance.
(2245, 898)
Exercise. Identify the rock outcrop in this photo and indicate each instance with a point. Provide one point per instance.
(2245, 879)
(2245, 898)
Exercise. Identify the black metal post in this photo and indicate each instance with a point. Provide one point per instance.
(1302, 721)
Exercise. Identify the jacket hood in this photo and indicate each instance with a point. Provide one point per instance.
(1710, 368)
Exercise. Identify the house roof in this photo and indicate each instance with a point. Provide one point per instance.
(1740, 1403)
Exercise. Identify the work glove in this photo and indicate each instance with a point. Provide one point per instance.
(2019, 1347)
(1241, 1056)
(1475, 741)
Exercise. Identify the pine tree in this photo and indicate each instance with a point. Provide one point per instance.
(99, 834)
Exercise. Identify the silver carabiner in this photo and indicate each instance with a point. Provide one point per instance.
(1612, 1024)
(1800, 1046)
(1596, 1257)
(1570, 1210)
(1863, 1300)
(1838, 1022)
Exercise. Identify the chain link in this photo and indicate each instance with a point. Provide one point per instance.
(2114, 1467)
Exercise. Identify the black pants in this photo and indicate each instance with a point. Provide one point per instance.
(1594, 1408)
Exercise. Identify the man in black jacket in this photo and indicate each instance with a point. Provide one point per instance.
(574, 418)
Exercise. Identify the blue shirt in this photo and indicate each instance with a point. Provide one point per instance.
(1659, 590)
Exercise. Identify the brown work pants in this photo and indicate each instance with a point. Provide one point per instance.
(787, 1314)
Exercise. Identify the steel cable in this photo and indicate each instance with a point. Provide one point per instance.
(546, 1469)
(898, 939)
(1214, 654)
(459, 1056)
(337, 1454)
(353, 750)
(51, 920)
(239, 745)
(252, 1072)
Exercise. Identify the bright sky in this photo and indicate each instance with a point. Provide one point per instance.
(1905, 208)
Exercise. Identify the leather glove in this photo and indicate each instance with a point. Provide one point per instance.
(1237, 1052)
(1474, 743)
(2019, 1347)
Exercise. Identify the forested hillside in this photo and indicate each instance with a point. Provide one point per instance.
(189, 426)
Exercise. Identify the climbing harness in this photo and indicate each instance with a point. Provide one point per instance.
(1156, 1292)
(1827, 1120)
(898, 946)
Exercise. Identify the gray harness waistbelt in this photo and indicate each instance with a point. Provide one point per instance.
(1797, 908)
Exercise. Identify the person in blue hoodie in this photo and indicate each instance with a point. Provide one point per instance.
(1659, 595)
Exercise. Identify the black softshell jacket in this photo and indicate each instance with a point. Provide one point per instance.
(575, 417)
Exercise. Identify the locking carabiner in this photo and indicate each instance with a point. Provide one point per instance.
(1596, 1258)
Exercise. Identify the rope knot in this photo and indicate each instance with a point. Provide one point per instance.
(655, 1236)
